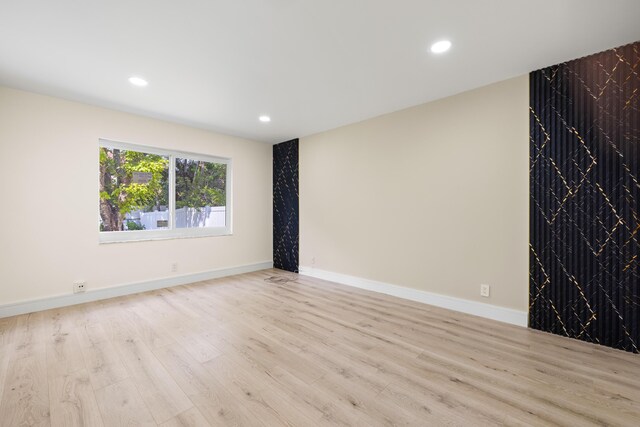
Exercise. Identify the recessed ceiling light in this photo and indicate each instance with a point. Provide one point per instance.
(264, 119)
(138, 81)
(441, 46)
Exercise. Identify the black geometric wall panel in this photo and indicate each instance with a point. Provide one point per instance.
(585, 198)
(285, 206)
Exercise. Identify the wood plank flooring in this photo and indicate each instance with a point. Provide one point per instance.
(273, 348)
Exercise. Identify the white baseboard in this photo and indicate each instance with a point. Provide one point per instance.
(494, 312)
(132, 288)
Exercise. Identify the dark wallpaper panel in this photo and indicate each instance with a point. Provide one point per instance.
(285, 205)
(585, 198)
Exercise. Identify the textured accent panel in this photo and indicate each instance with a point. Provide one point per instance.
(285, 206)
(585, 195)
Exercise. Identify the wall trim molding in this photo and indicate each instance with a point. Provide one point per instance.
(488, 311)
(31, 306)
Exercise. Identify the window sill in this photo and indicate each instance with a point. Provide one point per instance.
(144, 236)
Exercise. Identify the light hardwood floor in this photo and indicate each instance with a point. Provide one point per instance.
(274, 348)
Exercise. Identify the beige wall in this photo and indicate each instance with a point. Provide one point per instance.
(49, 210)
(434, 197)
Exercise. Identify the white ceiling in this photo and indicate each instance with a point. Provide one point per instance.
(311, 65)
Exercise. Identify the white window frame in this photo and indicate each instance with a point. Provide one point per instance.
(172, 232)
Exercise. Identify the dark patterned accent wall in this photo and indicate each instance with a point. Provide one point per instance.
(585, 198)
(285, 206)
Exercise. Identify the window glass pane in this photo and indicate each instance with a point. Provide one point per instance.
(200, 193)
(134, 190)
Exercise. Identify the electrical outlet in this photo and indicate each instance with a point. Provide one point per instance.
(174, 267)
(485, 291)
(79, 286)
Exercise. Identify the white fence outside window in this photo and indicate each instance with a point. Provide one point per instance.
(208, 216)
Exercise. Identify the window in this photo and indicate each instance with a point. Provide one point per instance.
(149, 193)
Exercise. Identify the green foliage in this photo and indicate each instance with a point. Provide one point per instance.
(143, 196)
(117, 188)
(200, 183)
(132, 225)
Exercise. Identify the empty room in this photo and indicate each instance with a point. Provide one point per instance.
(320, 213)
